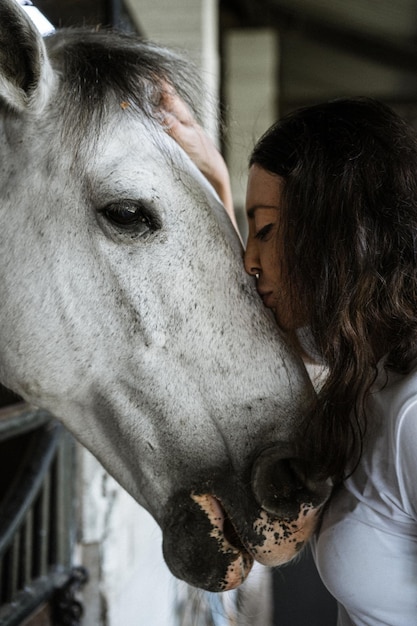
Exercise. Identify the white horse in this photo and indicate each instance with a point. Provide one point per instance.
(125, 309)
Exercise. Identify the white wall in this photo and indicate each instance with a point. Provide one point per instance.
(120, 544)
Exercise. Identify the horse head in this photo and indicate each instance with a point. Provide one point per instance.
(126, 311)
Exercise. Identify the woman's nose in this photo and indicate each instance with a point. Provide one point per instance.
(251, 260)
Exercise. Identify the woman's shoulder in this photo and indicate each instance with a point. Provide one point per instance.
(393, 394)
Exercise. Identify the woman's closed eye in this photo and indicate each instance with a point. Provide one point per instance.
(264, 232)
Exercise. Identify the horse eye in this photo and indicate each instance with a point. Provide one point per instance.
(131, 216)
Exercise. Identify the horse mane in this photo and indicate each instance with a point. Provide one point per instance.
(98, 67)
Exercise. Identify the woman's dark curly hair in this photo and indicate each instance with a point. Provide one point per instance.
(350, 227)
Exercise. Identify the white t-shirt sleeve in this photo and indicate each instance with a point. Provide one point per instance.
(406, 458)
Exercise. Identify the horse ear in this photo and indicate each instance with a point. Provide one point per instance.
(25, 72)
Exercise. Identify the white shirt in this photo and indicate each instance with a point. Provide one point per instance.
(366, 550)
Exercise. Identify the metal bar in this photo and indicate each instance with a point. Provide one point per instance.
(55, 522)
(6, 579)
(60, 546)
(13, 613)
(14, 566)
(44, 532)
(1, 581)
(27, 531)
(113, 11)
(20, 418)
(65, 499)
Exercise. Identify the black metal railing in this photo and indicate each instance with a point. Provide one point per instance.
(36, 517)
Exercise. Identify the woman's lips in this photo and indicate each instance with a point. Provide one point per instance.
(266, 297)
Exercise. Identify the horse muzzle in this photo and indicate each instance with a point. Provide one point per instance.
(212, 537)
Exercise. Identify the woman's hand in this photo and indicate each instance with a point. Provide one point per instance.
(181, 125)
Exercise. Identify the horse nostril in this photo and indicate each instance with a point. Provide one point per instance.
(281, 484)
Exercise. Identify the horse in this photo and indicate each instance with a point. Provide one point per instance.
(125, 309)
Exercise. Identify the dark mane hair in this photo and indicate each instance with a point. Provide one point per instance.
(97, 68)
(350, 227)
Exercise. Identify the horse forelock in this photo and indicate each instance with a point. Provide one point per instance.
(98, 68)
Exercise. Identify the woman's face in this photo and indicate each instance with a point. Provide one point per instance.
(264, 251)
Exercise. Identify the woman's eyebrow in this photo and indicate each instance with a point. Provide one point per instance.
(252, 210)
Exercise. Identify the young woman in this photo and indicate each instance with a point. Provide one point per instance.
(332, 213)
